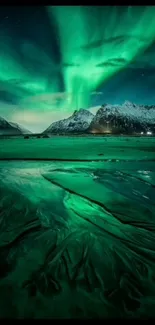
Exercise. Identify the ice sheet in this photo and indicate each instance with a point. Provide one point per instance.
(77, 237)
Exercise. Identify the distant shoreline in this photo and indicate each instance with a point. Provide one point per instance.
(113, 160)
(40, 136)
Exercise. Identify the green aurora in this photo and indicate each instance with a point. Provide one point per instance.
(94, 47)
(57, 59)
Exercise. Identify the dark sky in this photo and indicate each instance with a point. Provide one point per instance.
(54, 60)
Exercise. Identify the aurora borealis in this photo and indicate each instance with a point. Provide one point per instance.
(54, 60)
(77, 212)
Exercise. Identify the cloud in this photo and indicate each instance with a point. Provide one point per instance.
(111, 40)
(44, 99)
(112, 63)
(72, 65)
(117, 40)
(8, 97)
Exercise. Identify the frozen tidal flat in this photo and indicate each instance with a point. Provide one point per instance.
(77, 238)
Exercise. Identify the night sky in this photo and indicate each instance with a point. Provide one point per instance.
(54, 60)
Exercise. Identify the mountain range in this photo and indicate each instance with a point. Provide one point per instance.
(127, 118)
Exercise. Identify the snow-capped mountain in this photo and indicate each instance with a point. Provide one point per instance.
(78, 122)
(126, 118)
(9, 128)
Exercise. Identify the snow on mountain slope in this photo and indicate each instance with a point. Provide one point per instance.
(78, 122)
(127, 117)
(142, 113)
(20, 128)
(9, 128)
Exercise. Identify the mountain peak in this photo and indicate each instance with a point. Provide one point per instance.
(82, 111)
(79, 121)
(129, 104)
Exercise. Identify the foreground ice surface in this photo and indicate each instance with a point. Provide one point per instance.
(77, 239)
